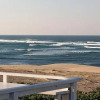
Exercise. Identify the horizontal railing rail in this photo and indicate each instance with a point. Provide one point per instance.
(5, 74)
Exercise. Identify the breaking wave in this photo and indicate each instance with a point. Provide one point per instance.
(19, 49)
(24, 41)
(26, 49)
(57, 52)
(92, 47)
(87, 43)
(50, 49)
(50, 52)
(52, 43)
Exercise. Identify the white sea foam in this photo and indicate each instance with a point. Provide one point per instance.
(32, 49)
(61, 48)
(24, 41)
(93, 42)
(4, 50)
(19, 49)
(32, 44)
(12, 41)
(92, 47)
(61, 43)
(49, 52)
(76, 43)
(59, 52)
(85, 51)
(80, 51)
(51, 43)
(31, 41)
(50, 49)
(58, 44)
(29, 49)
(86, 44)
(41, 44)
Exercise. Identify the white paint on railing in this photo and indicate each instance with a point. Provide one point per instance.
(5, 79)
(33, 75)
(5, 74)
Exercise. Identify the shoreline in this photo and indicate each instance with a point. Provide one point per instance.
(90, 74)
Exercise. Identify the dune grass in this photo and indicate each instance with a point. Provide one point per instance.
(93, 95)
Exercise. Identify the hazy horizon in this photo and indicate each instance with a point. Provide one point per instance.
(36, 17)
(45, 35)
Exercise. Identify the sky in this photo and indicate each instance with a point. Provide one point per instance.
(49, 17)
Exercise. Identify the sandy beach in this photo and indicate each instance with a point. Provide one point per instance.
(90, 74)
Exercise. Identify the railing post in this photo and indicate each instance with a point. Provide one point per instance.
(14, 96)
(4, 79)
(73, 91)
(58, 96)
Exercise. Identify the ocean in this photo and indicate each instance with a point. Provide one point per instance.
(41, 50)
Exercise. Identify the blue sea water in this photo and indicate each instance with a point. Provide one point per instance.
(40, 50)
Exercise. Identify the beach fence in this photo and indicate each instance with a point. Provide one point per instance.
(64, 88)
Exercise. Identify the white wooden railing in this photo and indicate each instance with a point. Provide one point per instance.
(63, 82)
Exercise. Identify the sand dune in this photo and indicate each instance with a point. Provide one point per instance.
(90, 74)
(59, 67)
